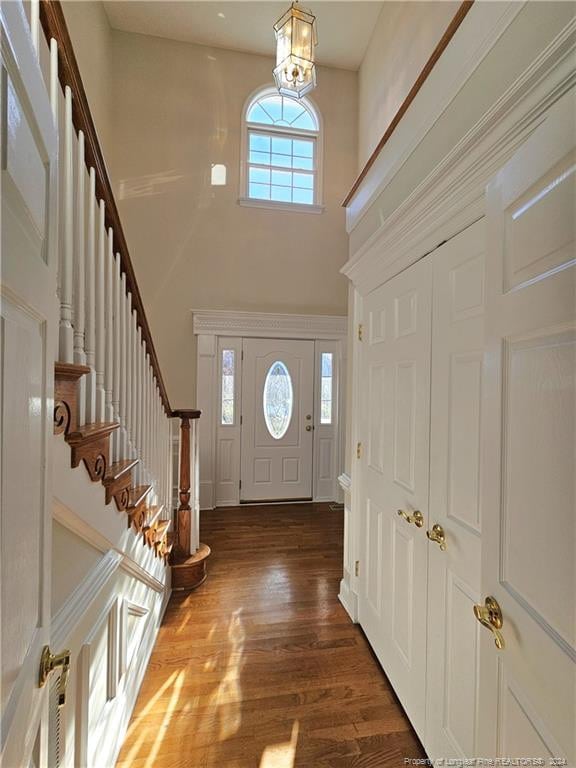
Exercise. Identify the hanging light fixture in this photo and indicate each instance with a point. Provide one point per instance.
(295, 72)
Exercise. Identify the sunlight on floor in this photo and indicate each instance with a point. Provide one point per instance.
(281, 755)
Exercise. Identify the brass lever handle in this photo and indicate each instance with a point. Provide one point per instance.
(48, 663)
(416, 517)
(437, 535)
(490, 616)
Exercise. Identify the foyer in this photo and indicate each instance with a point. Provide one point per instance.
(261, 667)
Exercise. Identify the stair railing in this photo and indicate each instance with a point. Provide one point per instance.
(103, 329)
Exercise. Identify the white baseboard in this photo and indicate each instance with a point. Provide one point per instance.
(349, 600)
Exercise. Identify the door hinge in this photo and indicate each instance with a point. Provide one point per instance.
(240, 419)
(242, 355)
(357, 568)
(360, 331)
(240, 484)
(359, 451)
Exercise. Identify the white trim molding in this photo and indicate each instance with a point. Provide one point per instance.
(278, 326)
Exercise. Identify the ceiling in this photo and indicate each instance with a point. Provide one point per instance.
(344, 28)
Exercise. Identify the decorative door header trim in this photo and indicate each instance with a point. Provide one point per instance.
(268, 325)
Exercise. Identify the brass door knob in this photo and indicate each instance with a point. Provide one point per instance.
(490, 616)
(308, 428)
(48, 663)
(416, 517)
(438, 536)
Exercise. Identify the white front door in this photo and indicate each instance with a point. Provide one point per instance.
(277, 420)
(527, 705)
(28, 337)
(395, 464)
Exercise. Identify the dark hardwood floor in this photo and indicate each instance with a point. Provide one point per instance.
(261, 666)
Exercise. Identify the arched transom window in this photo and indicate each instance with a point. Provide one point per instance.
(282, 151)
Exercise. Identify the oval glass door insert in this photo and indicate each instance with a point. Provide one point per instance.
(278, 400)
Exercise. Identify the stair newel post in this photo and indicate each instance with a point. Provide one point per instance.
(65, 276)
(117, 354)
(184, 511)
(80, 273)
(109, 330)
(90, 303)
(100, 330)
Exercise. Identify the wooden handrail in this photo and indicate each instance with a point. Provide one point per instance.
(457, 19)
(54, 26)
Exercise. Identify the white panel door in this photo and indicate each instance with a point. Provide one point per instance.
(28, 338)
(395, 464)
(277, 419)
(455, 503)
(527, 704)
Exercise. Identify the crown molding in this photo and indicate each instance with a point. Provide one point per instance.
(451, 197)
(268, 325)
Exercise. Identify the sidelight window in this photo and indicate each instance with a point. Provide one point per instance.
(326, 388)
(227, 405)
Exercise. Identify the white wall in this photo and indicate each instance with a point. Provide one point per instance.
(403, 39)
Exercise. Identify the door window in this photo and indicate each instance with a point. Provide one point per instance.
(278, 400)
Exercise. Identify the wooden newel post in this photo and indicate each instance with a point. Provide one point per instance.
(188, 558)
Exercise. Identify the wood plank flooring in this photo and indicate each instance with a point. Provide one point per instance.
(261, 666)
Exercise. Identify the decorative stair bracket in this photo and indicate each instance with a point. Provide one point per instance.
(66, 377)
(188, 568)
(91, 444)
(117, 482)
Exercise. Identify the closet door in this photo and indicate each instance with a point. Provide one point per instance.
(455, 504)
(395, 459)
(528, 689)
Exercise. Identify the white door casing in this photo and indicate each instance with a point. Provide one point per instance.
(527, 703)
(455, 504)
(395, 464)
(29, 331)
(277, 468)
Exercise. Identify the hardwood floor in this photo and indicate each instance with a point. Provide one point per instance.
(261, 666)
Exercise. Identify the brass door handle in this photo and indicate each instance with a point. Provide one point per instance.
(416, 517)
(308, 428)
(490, 616)
(48, 663)
(437, 535)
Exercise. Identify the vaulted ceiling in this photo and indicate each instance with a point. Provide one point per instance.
(344, 28)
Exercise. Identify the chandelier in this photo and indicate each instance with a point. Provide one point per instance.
(295, 72)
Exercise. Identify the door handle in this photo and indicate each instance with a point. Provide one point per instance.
(490, 616)
(308, 428)
(416, 517)
(48, 663)
(438, 536)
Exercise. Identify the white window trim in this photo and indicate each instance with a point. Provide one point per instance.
(249, 202)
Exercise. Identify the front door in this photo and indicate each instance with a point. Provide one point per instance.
(527, 704)
(277, 420)
(28, 348)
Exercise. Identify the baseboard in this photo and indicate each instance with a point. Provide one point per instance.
(349, 600)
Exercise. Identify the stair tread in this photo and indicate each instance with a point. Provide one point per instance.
(138, 494)
(119, 468)
(162, 529)
(153, 515)
(88, 432)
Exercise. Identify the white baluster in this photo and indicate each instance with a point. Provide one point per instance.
(54, 88)
(109, 327)
(134, 393)
(117, 285)
(80, 274)
(100, 309)
(128, 358)
(66, 334)
(35, 23)
(123, 366)
(90, 303)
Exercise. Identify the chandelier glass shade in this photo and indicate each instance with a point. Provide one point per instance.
(295, 71)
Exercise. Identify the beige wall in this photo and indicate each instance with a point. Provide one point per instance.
(177, 109)
(92, 38)
(403, 39)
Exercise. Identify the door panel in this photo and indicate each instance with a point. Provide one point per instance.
(455, 503)
(276, 461)
(528, 691)
(28, 344)
(396, 358)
